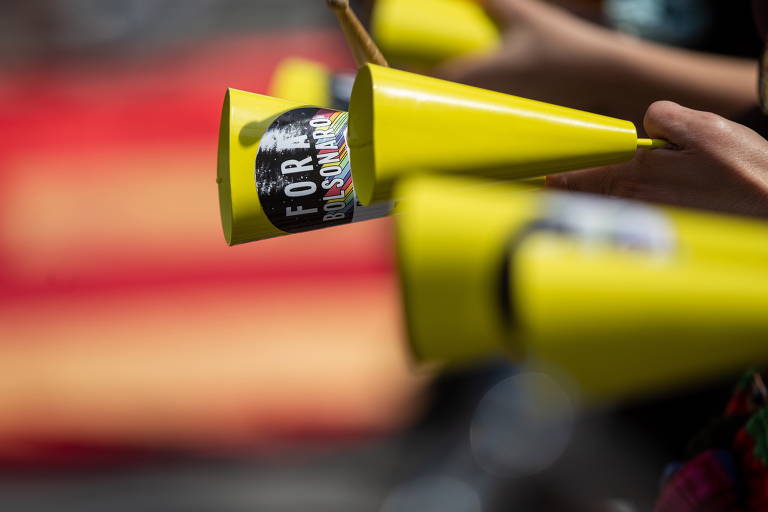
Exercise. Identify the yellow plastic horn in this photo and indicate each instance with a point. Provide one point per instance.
(627, 298)
(311, 83)
(283, 168)
(402, 123)
(303, 81)
(426, 32)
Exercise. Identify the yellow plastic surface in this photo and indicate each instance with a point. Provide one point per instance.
(302, 81)
(651, 143)
(244, 119)
(451, 239)
(721, 239)
(621, 322)
(426, 32)
(402, 123)
(623, 325)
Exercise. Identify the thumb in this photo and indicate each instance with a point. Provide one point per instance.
(683, 127)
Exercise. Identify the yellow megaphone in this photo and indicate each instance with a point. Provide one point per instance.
(426, 32)
(403, 123)
(283, 167)
(626, 297)
(311, 83)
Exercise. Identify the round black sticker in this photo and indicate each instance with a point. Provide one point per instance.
(303, 176)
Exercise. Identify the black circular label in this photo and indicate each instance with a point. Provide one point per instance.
(303, 176)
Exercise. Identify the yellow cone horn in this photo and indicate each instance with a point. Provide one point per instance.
(626, 297)
(283, 168)
(303, 81)
(427, 32)
(402, 123)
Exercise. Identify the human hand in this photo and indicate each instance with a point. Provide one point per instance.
(711, 163)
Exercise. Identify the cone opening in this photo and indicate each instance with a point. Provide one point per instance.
(222, 171)
(361, 136)
(452, 316)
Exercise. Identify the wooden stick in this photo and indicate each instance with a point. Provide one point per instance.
(358, 39)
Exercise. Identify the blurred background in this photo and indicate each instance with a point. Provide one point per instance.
(145, 365)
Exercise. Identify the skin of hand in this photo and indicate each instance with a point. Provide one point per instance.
(550, 55)
(711, 163)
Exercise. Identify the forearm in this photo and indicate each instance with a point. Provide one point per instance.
(650, 72)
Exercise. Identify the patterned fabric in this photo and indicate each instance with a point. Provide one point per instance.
(729, 471)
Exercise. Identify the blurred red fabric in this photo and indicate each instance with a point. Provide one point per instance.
(125, 320)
